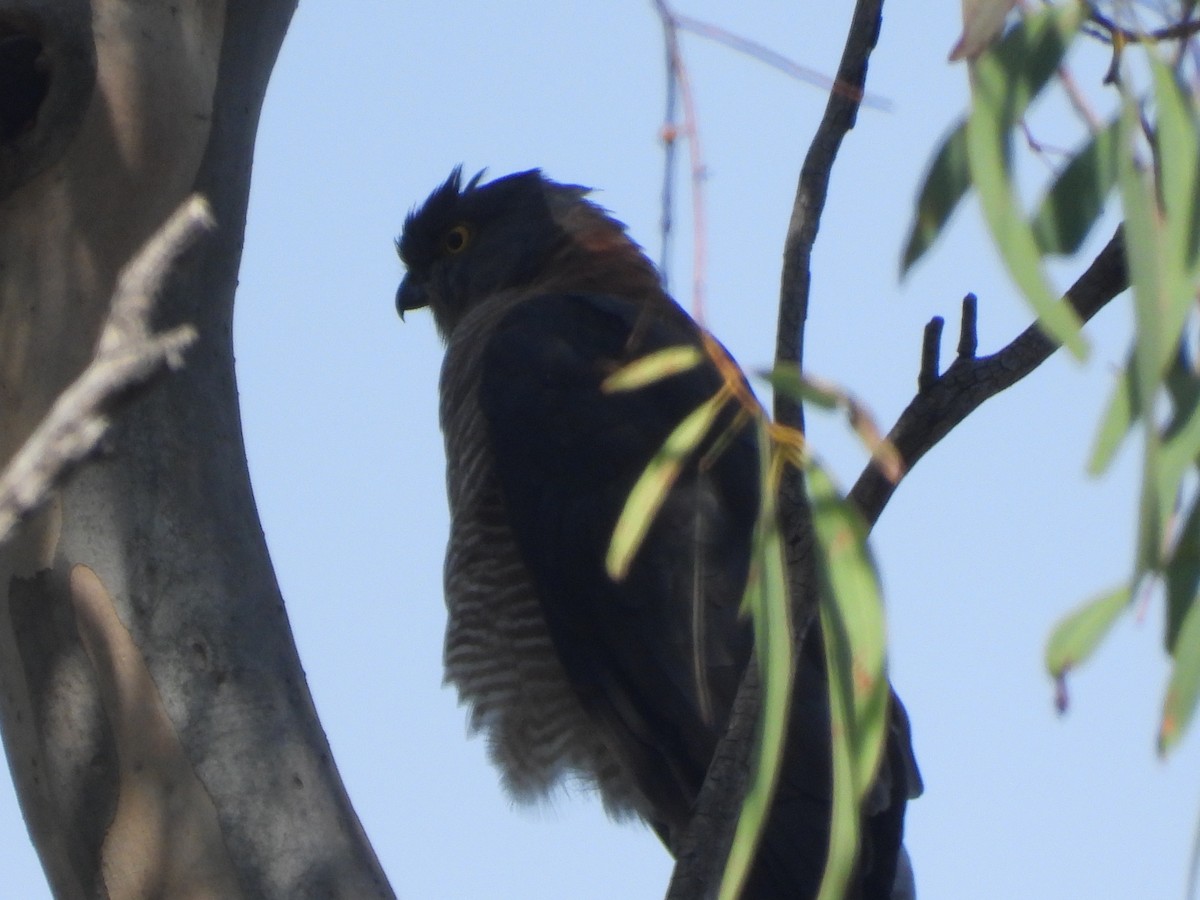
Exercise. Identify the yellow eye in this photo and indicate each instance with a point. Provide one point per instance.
(456, 239)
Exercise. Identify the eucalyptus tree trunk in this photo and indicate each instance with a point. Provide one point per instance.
(157, 723)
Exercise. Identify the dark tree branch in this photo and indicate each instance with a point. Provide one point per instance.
(128, 357)
(945, 401)
(931, 353)
(841, 111)
(704, 848)
(1181, 30)
(968, 330)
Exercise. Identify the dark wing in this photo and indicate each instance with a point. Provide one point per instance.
(566, 455)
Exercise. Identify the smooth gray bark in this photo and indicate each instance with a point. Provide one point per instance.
(156, 718)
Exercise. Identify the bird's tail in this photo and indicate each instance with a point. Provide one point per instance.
(792, 854)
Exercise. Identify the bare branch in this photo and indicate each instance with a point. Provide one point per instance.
(127, 357)
(840, 114)
(670, 138)
(841, 111)
(701, 854)
(1183, 29)
(703, 849)
(939, 406)
(968, 330)
(777, 61)
(931, 353)
(678, 73)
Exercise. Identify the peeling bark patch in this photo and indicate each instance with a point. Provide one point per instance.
(36, 542)
(164, 839)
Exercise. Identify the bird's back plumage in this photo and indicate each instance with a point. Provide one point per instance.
(540, 296)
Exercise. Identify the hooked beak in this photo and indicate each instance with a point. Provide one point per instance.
(409, 296)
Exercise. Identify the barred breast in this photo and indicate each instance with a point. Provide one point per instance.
(499, 653)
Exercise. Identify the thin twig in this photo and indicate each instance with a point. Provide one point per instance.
(841, 111)
(931, 355)
(1079, 100)
(691, 131)
(128, 356)
(1181, 30)
(969, 381)
(968, 330)
(776, 60)
(670, 139)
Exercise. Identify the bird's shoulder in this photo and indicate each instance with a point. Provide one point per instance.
(542, 390)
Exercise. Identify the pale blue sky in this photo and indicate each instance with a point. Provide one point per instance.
(991, 539)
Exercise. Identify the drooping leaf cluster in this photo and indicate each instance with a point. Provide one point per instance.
(1146, 161)
(850, 606)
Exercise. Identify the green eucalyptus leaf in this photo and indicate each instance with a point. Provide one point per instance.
(1145, 251)
(852, 625)
(653, 367)
(1077, 635)
(1018, 67)
(1178, 152)
(945, 184)
(1004, 81)
(1177, 454)
(1076, 199)
(983, 20)
(1123, 410)
(787, 379)
(1183, 687)
(1182, 576)
(655, 482)
(767, 599)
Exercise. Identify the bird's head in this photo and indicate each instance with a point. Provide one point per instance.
(469, 243)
